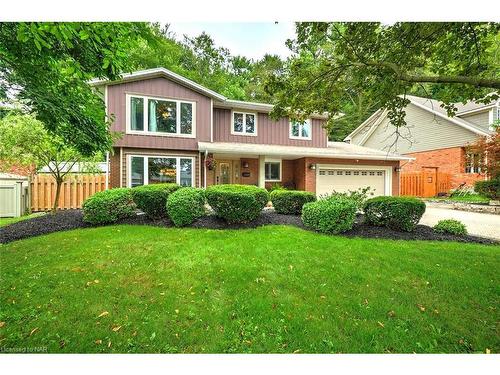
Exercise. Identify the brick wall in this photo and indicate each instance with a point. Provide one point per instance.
(446, 160)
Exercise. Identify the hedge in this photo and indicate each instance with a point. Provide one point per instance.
(490, 188)
(399, 213)
(108, 206)
(186, 205)
(451, 226)
(152, 199)
(237, 203)
(290, 202)
(333, 215)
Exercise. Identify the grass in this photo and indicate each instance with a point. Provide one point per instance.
(467, 198)
(273, 289)
(11, 220)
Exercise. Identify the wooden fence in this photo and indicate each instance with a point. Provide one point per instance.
(417, 184)
(74, 190)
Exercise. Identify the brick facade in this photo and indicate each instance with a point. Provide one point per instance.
(446, 160)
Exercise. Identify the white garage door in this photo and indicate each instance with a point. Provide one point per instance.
(342, 180)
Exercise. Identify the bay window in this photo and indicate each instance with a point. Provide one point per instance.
(146, 170)
(244, 123)
(272, 170)
(160, 116)
(300, 130)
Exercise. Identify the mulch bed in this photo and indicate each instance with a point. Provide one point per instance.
(73, 219)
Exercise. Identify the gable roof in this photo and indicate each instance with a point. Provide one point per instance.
(430, 105)
(161, 72)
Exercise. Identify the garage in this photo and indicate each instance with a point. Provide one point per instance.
(343, 179)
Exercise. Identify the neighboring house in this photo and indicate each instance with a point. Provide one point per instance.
(173, 129)
(436, 141)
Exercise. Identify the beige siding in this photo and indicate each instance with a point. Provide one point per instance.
(424, 131)
(481, 119)
(358, 137)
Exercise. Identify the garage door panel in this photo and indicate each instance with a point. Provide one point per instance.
(343, 180)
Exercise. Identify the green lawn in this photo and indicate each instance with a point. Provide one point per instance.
(272, 289)
(11, 220)
(467, 198)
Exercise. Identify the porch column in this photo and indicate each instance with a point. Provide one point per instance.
(262, 174)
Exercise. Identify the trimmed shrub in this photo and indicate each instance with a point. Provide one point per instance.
(399, 213)
(359, 196)
(108, 206)
(290, 202)
(186, 205)
(490, 188)
(333, 215)
(152, 199)
(237, 203)
(451, 226)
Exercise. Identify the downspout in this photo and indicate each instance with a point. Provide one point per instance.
(107, 171)
(205, 170)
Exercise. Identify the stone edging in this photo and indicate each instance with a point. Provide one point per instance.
(462, 206)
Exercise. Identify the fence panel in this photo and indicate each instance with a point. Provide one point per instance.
(412, 183)
(74, 190)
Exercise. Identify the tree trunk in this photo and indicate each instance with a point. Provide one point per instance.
(59, 182)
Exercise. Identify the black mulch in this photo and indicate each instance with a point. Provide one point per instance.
(73, 219)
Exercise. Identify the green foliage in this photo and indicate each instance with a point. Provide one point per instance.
(108, 206)
(354, 68)
(186, 205)
(237, 203)
(152, 199)
(489, 188)
(399, 213)
(358, 196)
(333, 215)
(200, 60)
(290, 202)
(451, 226)
(50, 64)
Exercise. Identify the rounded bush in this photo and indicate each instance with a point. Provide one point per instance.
(451, 226)
(490, 188)
(290, 202)
(186, 205)
(152, 199)
(333, 215)
(237, 203)
(399, 213)
(108, 206)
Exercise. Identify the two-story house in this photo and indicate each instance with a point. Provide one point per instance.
(437, 143)
(175, 130)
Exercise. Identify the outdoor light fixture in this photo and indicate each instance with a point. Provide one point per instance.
(312, 167)
(245, 164)
(397, 169)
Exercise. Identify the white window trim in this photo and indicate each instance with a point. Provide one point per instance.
(291, 136)
(146, 170)
(244, 132)
(471, 166)
(146, 114)
(492, 116)
(281, 169)
(387, 174)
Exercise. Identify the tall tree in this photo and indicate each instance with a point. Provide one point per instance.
(47, 67)
(452, 62)
(24, 142)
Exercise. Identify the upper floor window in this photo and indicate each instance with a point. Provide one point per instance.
(161, 116)
(300, 130)
(244, 123)
(473, 163)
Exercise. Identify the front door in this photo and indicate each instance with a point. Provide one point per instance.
(224, 172)
(430, 182)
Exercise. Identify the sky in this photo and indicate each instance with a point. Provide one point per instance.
(252, 40)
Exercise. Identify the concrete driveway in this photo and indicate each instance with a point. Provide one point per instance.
(478, 224)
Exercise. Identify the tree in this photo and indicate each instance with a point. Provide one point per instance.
(47, 66)
(488, 149)
(24, 142)
(334, 62)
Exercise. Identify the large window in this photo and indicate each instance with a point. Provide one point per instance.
(473, 163)
(300, 130)
(161, 116)
(146, 170)
(244, 123)
(273, 171)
